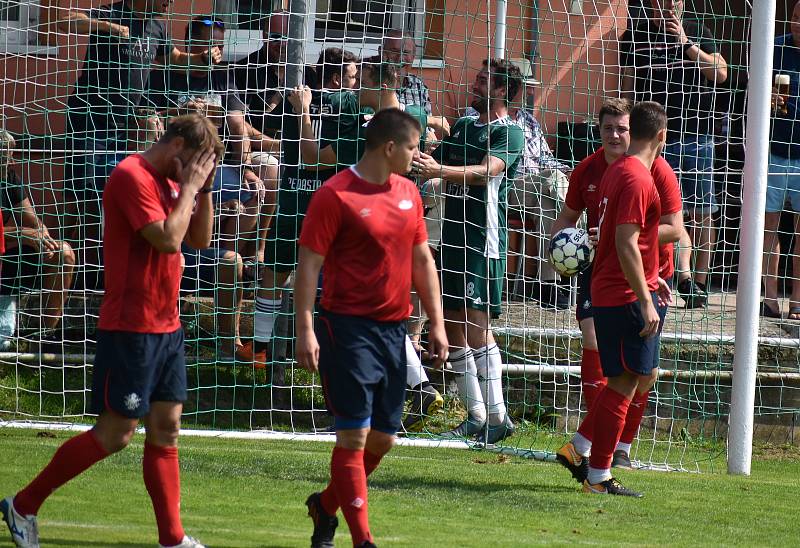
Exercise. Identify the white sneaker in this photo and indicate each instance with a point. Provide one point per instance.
(24, 531)
(187, 542)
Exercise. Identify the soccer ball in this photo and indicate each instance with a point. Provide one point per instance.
(570, 251)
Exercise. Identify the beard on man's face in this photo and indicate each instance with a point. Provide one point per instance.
(481, 104)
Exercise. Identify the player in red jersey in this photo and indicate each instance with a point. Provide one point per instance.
(583, 194)
(366, 226)
(152, 202)
(625, 292)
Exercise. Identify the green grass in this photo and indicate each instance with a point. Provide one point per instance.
(251, 493)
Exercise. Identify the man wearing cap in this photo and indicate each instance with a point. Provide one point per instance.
(260, 78)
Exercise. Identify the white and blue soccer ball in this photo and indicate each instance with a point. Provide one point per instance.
(570, 251)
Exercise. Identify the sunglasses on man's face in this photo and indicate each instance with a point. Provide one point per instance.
(211, 22)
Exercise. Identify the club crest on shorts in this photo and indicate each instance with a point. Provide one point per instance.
(132, 401)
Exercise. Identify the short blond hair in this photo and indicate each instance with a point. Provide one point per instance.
(198, 133)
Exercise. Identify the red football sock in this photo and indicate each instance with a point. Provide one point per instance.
(163, 481)
(586, 428)
(592, 378)
(72, 458)
(609, 418)
(349, 478)
(328, 496)
(634, 417)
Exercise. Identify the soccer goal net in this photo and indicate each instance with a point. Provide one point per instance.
(86, 84)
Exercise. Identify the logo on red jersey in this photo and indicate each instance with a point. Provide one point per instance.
(405, 204)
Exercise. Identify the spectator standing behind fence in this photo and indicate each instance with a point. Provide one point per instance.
(126, 40)
(783, 183)
(238, 187)
(401, 50)
(260, 78)
(674, 61)
(32, 255)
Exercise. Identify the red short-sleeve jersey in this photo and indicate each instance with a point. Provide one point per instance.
(669, 191)
(141, 283)
(627, 196)
(584, 185)
(583, 193)
(367, 233)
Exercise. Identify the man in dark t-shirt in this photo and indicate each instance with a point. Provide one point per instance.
(126, 40)
(673, 60)
(783, 181)
(259, 77)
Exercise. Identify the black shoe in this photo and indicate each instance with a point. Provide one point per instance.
(693, 294)
(610, 487)
(768, 312)
(367, 544)
(621, 459)
(467, 429)
(424, 403)
(578, 465)
(552, 297)
(324, 524)
(495, 434)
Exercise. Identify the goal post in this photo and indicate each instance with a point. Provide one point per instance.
(754, 188)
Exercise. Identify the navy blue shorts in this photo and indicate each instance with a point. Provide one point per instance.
(133, 369)
(362, 363)
(618, 341)
(584, 309)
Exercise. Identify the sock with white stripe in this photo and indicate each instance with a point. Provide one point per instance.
(264, 321)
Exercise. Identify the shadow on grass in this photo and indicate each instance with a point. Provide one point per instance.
(112, 544)
(405, 484)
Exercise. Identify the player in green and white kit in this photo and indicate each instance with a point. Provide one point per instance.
(477, 163)
(328, 112)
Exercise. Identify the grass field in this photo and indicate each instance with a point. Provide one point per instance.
(251, 493)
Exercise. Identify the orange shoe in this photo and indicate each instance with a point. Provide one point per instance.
(245, 354)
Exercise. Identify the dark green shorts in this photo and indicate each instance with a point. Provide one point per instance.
(280, 253)
(470, 280)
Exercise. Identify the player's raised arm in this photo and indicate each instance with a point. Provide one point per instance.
(189, 150)
(312, 155)
(73, 20)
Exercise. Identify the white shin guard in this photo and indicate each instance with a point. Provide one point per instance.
(490, 368)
